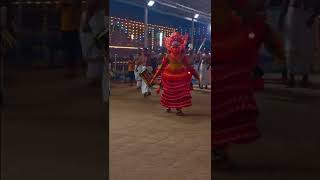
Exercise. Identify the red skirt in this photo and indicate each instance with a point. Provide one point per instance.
(234, 110)
(176, 89)
(258, 84)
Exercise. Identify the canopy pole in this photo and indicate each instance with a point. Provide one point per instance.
(146, 26)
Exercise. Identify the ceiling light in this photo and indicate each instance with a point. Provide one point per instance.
(151, 3)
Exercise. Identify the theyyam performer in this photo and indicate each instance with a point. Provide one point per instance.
(233, 103)
(176, 75)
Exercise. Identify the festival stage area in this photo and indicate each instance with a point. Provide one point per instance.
(53, 128)
(148, 143)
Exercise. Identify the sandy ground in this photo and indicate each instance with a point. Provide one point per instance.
(148, 143)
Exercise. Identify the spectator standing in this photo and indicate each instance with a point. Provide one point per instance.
(131, 65)
(70, 24)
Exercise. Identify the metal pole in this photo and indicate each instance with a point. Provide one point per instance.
(146, 27)
(192, 33)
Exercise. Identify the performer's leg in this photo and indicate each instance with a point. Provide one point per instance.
(94, 72)
(138, 78)
(284, 74)
(105, 87)
(305, 80)
(149, 91)
(291, 82)
(220, 158)
(138, 84)
(150, 69)
(144, 89)
(168, 110)
(131, 78)
(179, 112)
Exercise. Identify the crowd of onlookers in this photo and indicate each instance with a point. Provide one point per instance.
(120, 64)
(201, 61)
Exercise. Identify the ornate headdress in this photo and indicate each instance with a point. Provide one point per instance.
(176, 40)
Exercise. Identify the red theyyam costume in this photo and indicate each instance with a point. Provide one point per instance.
(236, 43)
(176, 74)
(234, 109)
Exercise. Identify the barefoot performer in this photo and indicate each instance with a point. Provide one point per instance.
(176, 75)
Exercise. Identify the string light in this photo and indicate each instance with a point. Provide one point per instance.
(134, 30)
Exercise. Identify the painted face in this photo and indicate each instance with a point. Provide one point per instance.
(175, 47)
(176, 43)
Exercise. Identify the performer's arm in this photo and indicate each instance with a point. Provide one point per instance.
(191, 69)
(195, 74)
(159, 70)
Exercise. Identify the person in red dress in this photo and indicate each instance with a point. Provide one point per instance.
(236, 44)
(176, 75)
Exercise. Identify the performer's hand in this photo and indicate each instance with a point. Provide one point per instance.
(152, 81)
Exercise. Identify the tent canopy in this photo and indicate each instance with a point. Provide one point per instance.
(185, 9)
